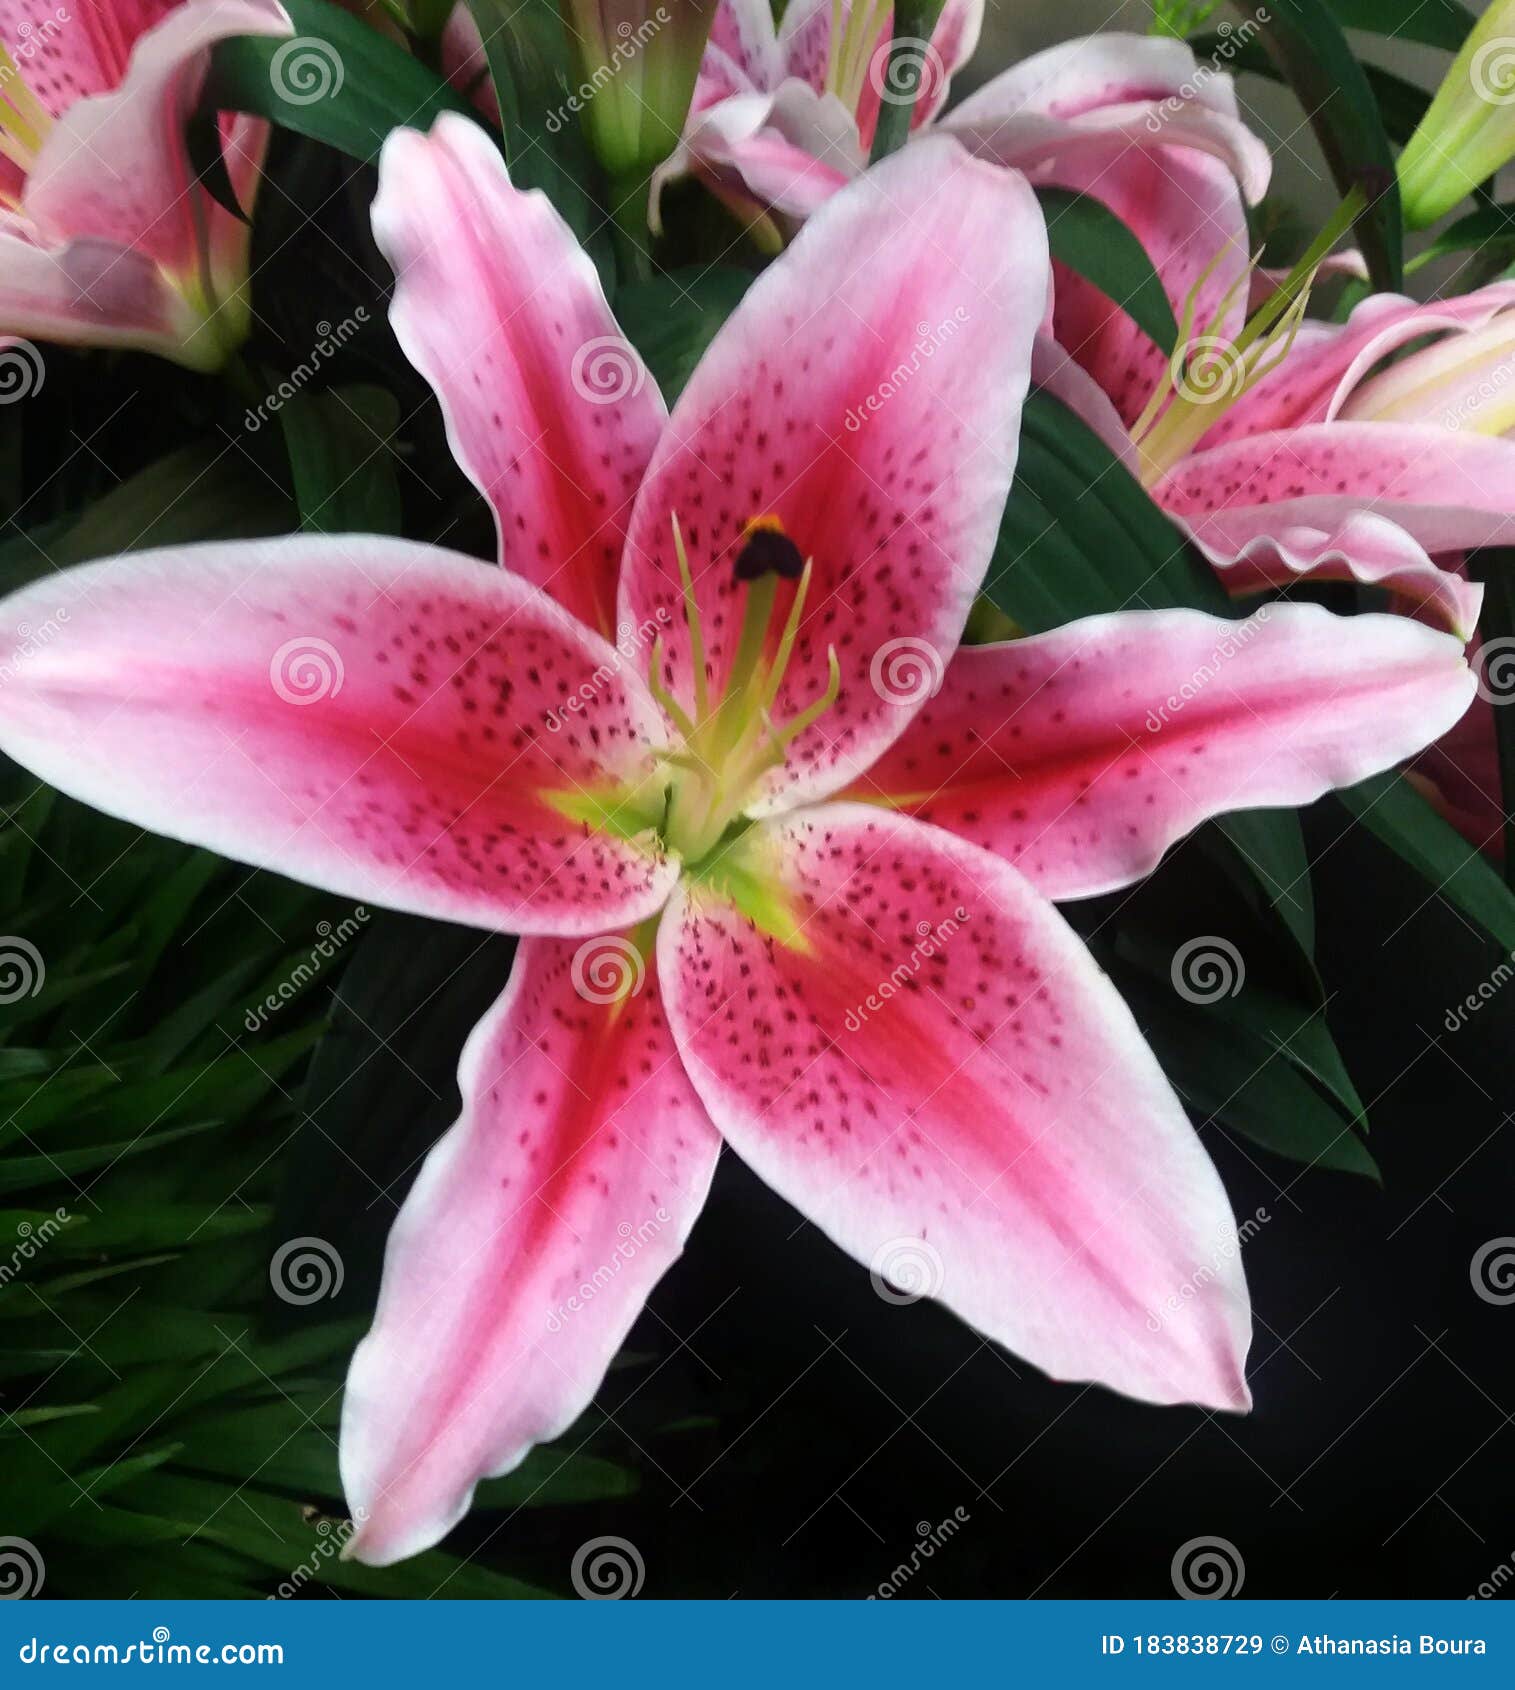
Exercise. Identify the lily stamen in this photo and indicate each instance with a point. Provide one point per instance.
(731, 742)
(1194, 397)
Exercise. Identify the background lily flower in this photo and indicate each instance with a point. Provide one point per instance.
(1302, 454)
(105, 240)
(823, 895)
(783, 117)
(1468, 132)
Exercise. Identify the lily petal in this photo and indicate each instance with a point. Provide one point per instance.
(1081, 755)
(383, 719)
(114, 167)
(866, 392)
(932, 1069)
(95, 293)
(1360, 547)
(528, 1244)
(1448, 490)
(549, 410)
(742, 33)
(1110, 92)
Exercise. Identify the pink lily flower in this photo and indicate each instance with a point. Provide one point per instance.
(105, 239)
(783, 117)
(776, 894)
(1301, 451)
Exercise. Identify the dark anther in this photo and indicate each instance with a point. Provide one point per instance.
(768, 551)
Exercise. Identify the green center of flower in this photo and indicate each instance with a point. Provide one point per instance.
(732, 739)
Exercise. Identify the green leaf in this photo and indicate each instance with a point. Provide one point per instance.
(671, 319)
(1490, 229)
(197, 493)
(1433, 23)
(338, 81)
(1391, 808)
(545, 144)
(341, 455)
(1080, 535)
(1312, 54)
(1234, 1073)
(383, 1085)
(1092, 241)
